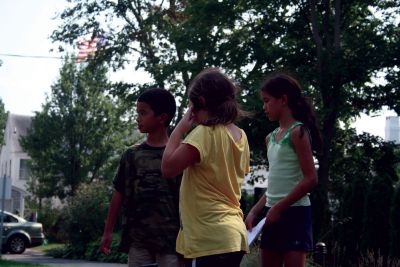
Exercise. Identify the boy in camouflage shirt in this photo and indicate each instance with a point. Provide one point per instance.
(149, 203)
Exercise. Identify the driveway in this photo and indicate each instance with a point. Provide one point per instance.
(38, 257)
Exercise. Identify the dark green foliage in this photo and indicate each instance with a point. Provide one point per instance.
(80, 133)
(84, 217)
(377, 215)
(348, 230)
(361, 197)
(395, 224)
(93, 254)
(246, 202)
(379, 200)
(51, 219)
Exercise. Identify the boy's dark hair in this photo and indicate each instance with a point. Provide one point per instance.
(213, 91)
(279, 84)
(160, 101)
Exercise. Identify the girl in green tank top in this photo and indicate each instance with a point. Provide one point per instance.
(287, 234)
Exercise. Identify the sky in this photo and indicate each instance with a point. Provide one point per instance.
(25, 27)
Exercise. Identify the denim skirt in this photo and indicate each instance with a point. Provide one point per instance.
(293, 231)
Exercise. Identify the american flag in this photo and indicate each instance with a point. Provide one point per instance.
(87, 49)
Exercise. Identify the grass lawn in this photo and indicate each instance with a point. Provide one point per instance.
(7, 263)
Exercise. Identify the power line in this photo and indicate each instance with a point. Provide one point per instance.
(27, 56)
(49, 57)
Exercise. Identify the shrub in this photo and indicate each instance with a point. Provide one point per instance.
(93, 253)
(50, 218)
(395, 224)
(84, 218)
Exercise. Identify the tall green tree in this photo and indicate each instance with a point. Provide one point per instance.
(377, 216)
(363, 184)
(80, 129)
(337, 49)
(394, 224)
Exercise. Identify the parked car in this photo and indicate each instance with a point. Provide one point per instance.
(19, 234)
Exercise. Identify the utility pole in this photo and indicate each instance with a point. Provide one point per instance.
(3, 199)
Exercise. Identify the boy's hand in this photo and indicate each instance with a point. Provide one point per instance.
(105, 244)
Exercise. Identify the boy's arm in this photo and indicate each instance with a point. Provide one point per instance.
(113, 211)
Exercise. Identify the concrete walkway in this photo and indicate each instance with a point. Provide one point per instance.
(38, 257)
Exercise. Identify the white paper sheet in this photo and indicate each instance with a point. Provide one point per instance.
(255, 232)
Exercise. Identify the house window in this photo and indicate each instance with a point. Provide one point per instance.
(23, 169)
(16, 197)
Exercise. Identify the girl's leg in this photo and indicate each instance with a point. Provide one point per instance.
(295, 259)
(270, 258)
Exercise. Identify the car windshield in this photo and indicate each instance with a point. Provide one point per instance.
(12, 218)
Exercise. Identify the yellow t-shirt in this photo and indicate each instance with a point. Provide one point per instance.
(211, 218)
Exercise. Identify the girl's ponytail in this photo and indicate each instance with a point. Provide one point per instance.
(303, 111)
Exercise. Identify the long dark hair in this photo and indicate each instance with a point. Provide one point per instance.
(279, 84)
(219, 95)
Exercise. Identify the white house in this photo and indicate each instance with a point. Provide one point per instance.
(259, 175)
(14, 161)
(392, 129)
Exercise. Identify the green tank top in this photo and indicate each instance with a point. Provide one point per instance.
(284, 169)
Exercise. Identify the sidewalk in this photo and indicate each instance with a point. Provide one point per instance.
(38, 257)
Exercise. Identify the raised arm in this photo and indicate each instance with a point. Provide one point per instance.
(177, 156)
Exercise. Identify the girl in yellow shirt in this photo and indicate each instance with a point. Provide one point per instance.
(214, 158)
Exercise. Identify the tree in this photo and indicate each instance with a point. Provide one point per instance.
(394, 224)
(337, 49)
(363, 184)
(79, 131)
(377, 216)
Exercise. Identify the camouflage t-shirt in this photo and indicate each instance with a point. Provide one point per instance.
(150, 213)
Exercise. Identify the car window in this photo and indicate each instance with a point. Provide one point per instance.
(9, 219)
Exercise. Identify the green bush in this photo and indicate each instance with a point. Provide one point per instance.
(93, 253)
(83, 223)
(90, 252)
(395, 223)
(84, 218)
(50, 218)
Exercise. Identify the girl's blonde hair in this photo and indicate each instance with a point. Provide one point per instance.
(213, 91)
